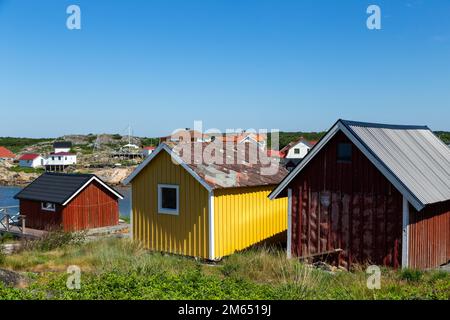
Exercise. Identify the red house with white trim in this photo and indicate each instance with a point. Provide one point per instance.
(69, 202)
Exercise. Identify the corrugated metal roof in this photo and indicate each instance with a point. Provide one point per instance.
(236, 167)
(419, 159)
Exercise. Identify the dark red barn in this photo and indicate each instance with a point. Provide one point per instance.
(371, 193)
(69, 201)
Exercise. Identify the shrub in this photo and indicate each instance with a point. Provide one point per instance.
(2, 255)
(411, 275)
(55, 239)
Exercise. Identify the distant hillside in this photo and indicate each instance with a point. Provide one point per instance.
(85, 143)
(17, 144)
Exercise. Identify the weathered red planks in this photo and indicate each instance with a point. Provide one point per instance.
(349, 206)
(94, 207)
(429, 236)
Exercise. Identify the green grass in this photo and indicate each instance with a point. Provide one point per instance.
(26, 170)
(121, 269)
(125, 218)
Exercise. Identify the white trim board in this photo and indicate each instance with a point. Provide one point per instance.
(405, 234)
(289, 230)
(118, 195)
(339, 126)
(211, 241)
(175, 157)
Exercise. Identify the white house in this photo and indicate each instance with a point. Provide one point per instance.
(62, 146)
(31, 160)
(146, 151)
(259, 139)
(297, 149)
(61, 159)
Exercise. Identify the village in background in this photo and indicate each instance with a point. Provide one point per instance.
(114, 156)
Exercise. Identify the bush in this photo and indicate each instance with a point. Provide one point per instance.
(56, 239)
(411, 275)
(2, 255)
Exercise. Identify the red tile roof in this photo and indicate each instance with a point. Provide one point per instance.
(149, 148)
(29, 156)
(5, 153)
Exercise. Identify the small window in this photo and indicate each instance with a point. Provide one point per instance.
(53, 158)
(168, 199)
(344, 152)
(48, 206)
(296, 151)
(59, 158)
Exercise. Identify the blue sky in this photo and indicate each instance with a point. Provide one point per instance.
(161, 64)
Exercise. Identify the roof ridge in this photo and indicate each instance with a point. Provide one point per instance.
(383, 125)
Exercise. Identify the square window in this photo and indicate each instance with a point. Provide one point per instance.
(48, 206)
(168, 199)
(296, 151)
(344, 152)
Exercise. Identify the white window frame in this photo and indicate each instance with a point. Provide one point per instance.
(53, 209)
(162, 210)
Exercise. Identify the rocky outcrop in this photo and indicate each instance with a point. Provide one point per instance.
(11, 178)
(12, 278)
(114, 176)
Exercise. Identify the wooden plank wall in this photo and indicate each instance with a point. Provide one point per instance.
(364, 215)
(93, 207)
(186, 233)
(36, 218)
(429, 236)
(246, 216)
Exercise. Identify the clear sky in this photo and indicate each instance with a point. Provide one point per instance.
(161, 64)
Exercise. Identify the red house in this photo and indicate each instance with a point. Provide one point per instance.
(6, 154)
(371, 193)
(69, 201)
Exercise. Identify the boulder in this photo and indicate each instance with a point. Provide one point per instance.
(11, 278)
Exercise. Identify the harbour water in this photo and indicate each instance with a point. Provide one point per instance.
(7, 199)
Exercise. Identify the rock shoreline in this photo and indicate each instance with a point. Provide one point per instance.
(112, 176)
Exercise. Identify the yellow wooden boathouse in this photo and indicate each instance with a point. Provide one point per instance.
(203, 210)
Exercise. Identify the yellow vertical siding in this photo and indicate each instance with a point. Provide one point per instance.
(186, 233)
(245, 216)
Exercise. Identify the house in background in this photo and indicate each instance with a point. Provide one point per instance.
(371, 193)
(69, 201)
(62, 146)
(60, 161)
(297, 149)
(146, 151)
(203, 209)
(260, 140)
(31, 160)
(186, 135)
(6, 154)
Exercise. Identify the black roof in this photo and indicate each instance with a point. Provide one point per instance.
(62, 144)
(55, 187)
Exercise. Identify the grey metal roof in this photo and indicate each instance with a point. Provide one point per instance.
(412, 158)
(55, 187)
(419, 159)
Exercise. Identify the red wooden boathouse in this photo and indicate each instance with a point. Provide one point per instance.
(69, 201)
(371, 193)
